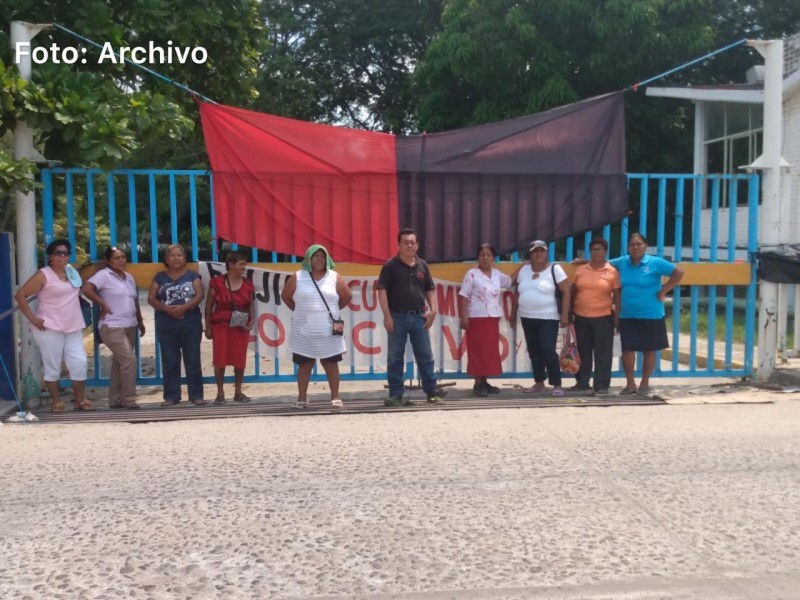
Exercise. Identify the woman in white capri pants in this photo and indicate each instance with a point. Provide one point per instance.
(58, 324)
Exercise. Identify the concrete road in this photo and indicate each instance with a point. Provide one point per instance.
(678, 502)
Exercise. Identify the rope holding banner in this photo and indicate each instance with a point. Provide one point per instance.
(635, 87)
(151, 71)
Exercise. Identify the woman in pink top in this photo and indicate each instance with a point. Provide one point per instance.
(58, 324)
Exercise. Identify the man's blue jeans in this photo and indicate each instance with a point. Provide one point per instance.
(413, 327)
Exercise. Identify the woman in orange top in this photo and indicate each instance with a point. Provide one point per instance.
(596, 290)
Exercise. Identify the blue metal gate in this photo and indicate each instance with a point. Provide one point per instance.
(697, 219)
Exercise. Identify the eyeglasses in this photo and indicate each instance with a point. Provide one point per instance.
(60, 253)
(408, 243)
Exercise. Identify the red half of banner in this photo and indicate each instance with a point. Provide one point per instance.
(283, 185)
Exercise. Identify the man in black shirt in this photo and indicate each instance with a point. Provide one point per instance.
(404, 286)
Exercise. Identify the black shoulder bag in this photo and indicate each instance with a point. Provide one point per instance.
(338, 324)
(559, 293)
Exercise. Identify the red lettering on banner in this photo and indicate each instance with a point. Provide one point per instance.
(272, 343)
(359, 346)
(446, 299)
(455, 352)
(504, 347)
(353, 283)
(366, 295)
(508, 303)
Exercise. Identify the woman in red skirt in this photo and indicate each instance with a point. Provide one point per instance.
(480, 309)
(230, 314)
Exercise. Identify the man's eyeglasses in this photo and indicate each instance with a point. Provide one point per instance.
(60, 252)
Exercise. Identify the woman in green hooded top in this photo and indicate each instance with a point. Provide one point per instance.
(316, 294)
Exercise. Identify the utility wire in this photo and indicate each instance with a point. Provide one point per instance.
(151, 71)
(635, 87)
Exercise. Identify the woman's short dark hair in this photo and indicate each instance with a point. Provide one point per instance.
(486, 246)
(601, 241)
(110, 252)
(234, 257)
(168, 249)
(405, 231)
(636, 234)
(51, 247)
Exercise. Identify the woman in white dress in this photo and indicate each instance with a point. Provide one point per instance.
(316, 294)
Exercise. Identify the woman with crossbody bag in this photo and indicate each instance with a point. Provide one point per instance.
(230, 313)
(316, 294)
(540, 314)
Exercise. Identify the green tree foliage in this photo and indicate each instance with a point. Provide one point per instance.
(499, 59)
(13, 174)
(116, 115)
(104, 114)
(345, 61)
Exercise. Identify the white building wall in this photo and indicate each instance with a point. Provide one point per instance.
(791, 54)
(722, 226)
(791, 152)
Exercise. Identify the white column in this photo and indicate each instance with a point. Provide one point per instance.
(29, 358)
(783, 322)
(770, 162)
(796, 344)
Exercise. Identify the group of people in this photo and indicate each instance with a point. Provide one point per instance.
(624, 295)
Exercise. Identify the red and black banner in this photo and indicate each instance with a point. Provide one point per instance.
(282, 184)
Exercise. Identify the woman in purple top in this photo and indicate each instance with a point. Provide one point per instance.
(114, 290)
(57, 324)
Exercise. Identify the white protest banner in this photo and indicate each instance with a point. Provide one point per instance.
(365, 335)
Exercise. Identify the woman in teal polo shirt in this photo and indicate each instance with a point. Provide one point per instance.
(642, 325)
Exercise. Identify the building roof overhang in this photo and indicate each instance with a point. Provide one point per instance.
(743, 93)
(709, 94)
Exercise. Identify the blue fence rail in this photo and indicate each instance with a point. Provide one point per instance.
(143, 210)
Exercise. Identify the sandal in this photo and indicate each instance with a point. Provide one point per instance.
(533, 390)
(301, 404)
(84, 405)
(131, 405)
(337, 403)
(58, 407)
(558, 392)
(241, 398)
(219, 400)
(644, 390)
(627, 391)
